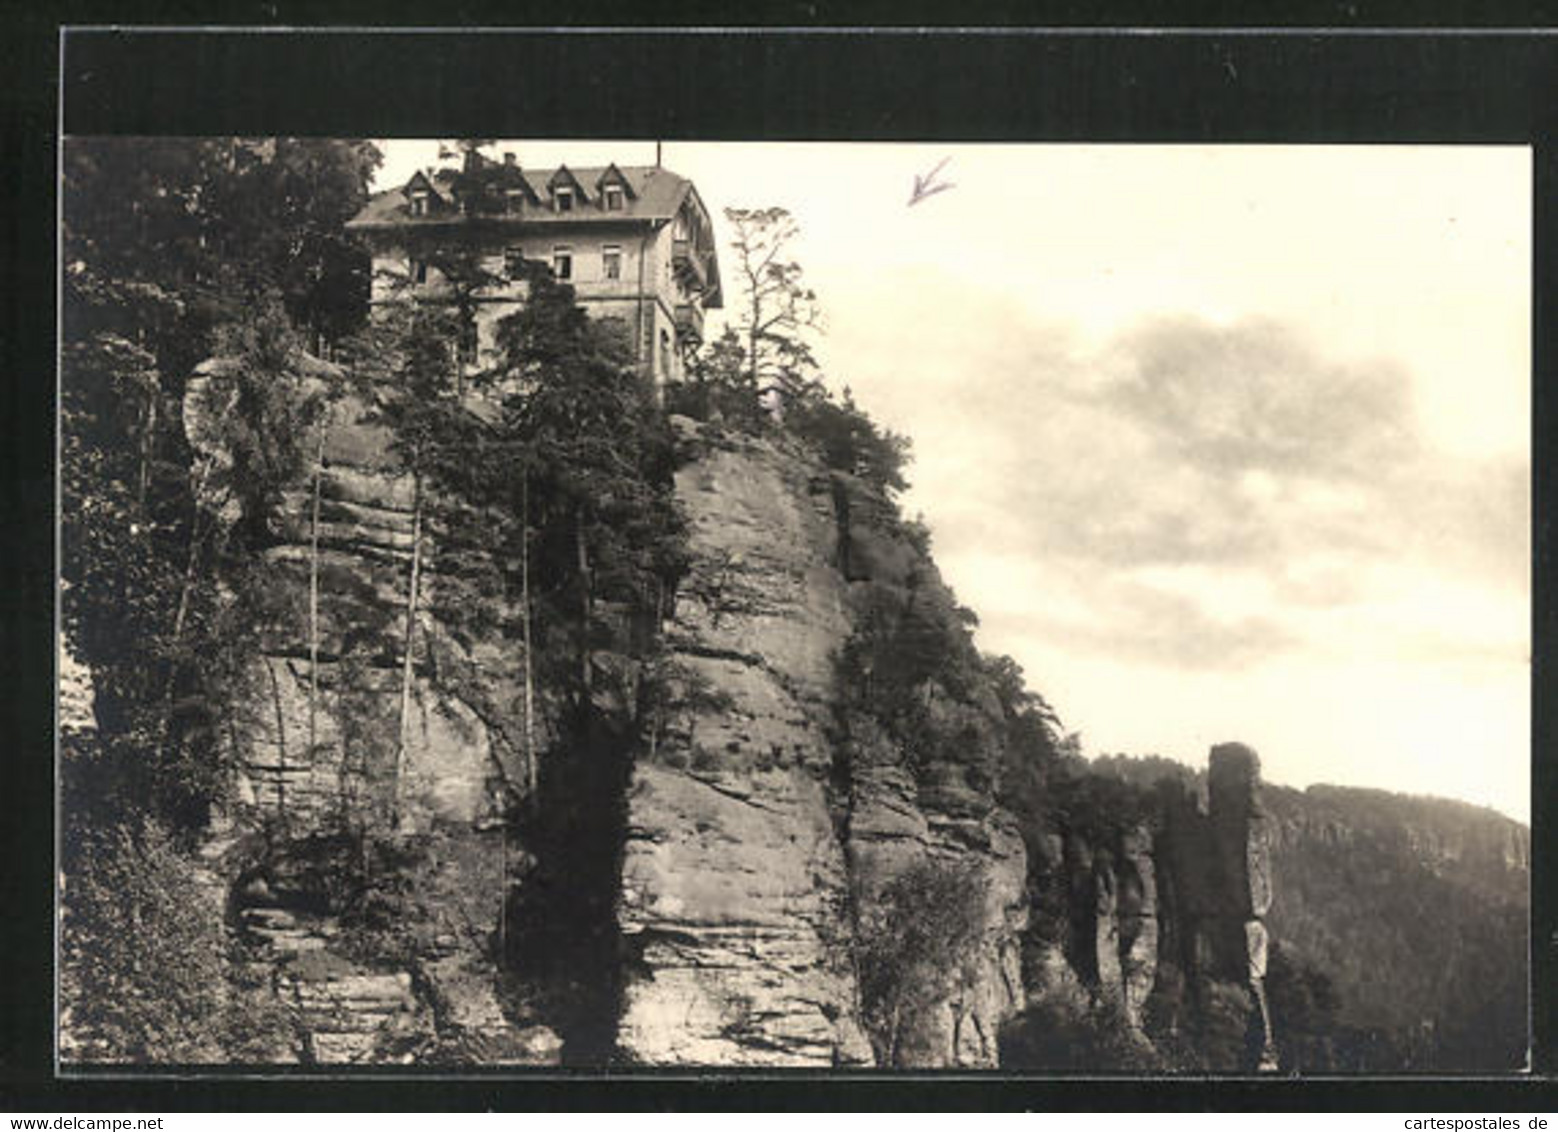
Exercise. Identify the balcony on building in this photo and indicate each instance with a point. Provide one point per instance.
(688, 265)
(689, 322)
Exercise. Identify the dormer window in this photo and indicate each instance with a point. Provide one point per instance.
(513, 199)
(419, 202)
(564, 199)
(613, 198)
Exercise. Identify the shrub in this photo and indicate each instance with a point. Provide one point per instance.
(1063, 1031)
(850, 441)
(142, 974)
(916, 945)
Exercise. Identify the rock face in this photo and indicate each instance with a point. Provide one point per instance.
(1137, 915)
(1241, 842)
(734, 885)
(774, 821)
(1164, 913)
(444, 799)
(759, 835)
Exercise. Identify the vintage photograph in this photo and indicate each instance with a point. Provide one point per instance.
(1051, 608)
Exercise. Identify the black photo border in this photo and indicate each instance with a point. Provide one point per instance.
(791, 79)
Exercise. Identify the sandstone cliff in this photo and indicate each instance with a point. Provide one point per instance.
(1155, 946)
(395, 901)
(760, 836)
(774, 837)
(384, 958)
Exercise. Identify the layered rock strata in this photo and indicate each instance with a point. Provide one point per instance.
(315, 746)
(735, 893)
(1163, 915)
(759, 836)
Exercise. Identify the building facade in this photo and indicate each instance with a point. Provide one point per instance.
(635, 243)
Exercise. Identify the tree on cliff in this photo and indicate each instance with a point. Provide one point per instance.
(593, 457)
(762, 369)
(175, 251)
(851, 441)
(408, 365)
(916, 942)
(165, 243)
(779, 310)
(720, 387)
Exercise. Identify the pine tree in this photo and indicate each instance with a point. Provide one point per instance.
(175, 250)
(779, 310)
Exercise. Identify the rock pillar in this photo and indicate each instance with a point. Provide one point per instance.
(1241, 844)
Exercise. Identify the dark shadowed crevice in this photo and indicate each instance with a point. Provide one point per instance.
(564, 939)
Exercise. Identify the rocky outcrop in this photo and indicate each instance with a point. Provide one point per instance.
(763, 830)
(1136, 913)
(1241, 844)
(768, 818)
(735, 896)
(315, 743)
(1162, 897)
(896, 828)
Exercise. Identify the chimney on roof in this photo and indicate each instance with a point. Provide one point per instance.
(508, 157)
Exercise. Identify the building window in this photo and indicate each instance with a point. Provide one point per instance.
(665, 351)
(613, 199)
(562, 262)
(418, 270)
(564, 200)
(611, 261)
(419, 203)
(513, 262)
(513, 199)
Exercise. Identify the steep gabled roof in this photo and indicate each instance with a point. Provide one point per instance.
(652, 193)
(564, 177)
(612, 175)
(512, 177)
(420, 179)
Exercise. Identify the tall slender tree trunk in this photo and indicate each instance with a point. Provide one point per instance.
(411, 622)
(181, 613)
(313, 599)
(586, 609)
(281, 742)
(752, 332)
(148, 446)
(531, 776)
(658, 720)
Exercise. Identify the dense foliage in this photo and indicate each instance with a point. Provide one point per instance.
(914, 947)
(175, 250)
(1418, 918)
(142, 948)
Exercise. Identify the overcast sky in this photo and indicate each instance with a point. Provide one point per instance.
(1220, 442)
